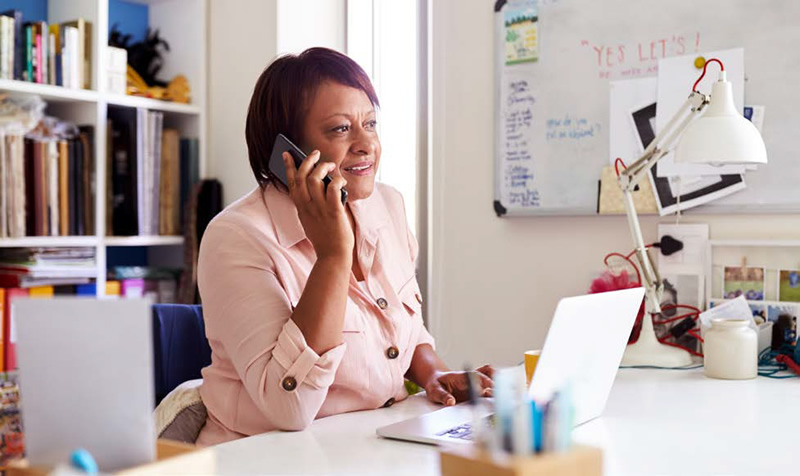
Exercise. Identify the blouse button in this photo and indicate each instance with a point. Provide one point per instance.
(289, 384)
(382, 303)
(392, 352)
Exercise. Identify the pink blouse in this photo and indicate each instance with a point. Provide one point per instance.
(254, 262)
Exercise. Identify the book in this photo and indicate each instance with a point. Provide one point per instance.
(29, 190)
(52, 187)
(109, 175)
(124, 172)
(9, 329)
(41, 292)
(169, 213)
(44, 52)
(29, 44)
(18, 42)
(15, 155)
(88, 289)
(5, 49)
(2, 329)
(72, 188)
(63, 188)
(142, 171)
(113, 289)
(156, 123)
(86, 137)
(83, 52)
(38, 67)
(77, 173)
(5, 189)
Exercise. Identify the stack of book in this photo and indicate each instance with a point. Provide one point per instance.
(34, 267)
(150, 172)
(57, 54)
(39, 273)
(158, 284)
(47, 184)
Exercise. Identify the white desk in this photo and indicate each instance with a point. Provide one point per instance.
(656, 422)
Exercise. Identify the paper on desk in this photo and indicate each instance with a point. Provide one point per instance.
(735, 309)
(676, 76)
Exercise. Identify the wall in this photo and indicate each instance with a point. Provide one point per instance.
(306, 23)
(244, 36)
(242, 40)
(496, 282)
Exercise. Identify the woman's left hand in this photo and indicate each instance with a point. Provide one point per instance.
(449, 388)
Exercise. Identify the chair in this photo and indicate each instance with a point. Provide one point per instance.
(180, 346)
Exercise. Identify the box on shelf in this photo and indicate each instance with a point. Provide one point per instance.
(116, 70)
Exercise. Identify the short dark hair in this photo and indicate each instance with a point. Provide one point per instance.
(283, 94)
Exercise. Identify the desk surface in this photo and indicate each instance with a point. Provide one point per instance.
(656, 421)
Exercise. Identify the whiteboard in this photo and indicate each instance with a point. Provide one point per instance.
(552, 115)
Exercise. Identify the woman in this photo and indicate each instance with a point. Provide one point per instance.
(312, 307)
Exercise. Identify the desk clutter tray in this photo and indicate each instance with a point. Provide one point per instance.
(578, 461)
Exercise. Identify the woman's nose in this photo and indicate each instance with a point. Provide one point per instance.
(365, 143)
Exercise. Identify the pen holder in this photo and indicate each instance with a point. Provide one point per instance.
(578, 461)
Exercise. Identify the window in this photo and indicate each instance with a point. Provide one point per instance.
(383, 37)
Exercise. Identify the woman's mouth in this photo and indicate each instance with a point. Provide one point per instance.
(363, 168)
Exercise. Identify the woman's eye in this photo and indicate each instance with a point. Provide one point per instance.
(372, 124)
(344, 128)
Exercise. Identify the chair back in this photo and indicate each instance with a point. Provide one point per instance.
(180, 346)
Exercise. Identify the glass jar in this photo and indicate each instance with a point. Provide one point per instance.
(730, 350)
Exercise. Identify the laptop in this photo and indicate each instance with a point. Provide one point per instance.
(584, 346)
(86, 379)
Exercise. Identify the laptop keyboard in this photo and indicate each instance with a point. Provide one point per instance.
(460, 432)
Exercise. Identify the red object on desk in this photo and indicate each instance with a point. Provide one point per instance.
(613, 282)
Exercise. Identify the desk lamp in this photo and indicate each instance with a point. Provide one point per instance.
(720, 136)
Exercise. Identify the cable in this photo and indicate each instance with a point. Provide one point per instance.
(712, 60)
(617, 164)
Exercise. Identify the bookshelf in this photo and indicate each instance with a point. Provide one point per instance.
(183, 24)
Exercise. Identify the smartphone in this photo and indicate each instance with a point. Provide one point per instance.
(278, 169)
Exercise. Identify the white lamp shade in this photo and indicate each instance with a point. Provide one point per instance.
(722, 135)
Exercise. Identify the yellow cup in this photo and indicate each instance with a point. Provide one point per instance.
(531, 359)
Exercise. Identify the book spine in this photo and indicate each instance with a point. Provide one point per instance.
(29, 47)
(38, 68)
(3, 298)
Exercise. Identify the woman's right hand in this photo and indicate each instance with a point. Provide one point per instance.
(321, 212)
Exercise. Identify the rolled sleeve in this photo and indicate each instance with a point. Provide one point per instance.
(300, 362)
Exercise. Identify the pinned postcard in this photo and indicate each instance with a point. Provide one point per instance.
(521, 19)
(676, 75)
(789, 285)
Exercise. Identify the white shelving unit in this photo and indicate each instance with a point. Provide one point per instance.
(183, 23)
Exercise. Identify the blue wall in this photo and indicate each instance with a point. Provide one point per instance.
(132, 19)
(32, 10)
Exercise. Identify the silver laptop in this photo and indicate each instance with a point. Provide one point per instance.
(86, 380)
(584, 346)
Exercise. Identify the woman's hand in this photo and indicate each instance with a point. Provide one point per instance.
(321, 212)
(449, 388)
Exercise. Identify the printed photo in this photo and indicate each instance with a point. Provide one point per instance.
(522, 33)
(784, 328)
(789, 285)
(747, 282)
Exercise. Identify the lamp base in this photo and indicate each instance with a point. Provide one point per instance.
(647, 352)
